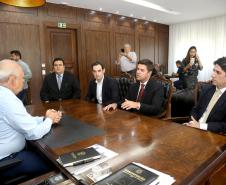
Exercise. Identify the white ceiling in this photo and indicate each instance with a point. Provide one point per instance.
(189, 9)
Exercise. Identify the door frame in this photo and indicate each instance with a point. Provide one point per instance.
(77, 29)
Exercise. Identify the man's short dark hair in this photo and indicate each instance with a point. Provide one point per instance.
(179, 62)
(58, 59)
(148, 63)
(16, 52)
(222, 63)
(98, 63)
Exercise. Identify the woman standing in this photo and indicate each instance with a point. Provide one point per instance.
(191, 66)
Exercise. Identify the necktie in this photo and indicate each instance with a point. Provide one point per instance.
(141, 92)
(210, 106)
(59, 81)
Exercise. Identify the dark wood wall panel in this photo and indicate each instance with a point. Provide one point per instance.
(26, 39)
(163, 42)
(97, 37)
(97, 49)
(97, 17)
(147, 47)
(61, 11)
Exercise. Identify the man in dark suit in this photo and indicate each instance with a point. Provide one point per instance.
(60, 84)
(102, 89)
(145, 96)
(210, 112)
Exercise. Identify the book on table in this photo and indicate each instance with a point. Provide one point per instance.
(131, 174)
(79, 157)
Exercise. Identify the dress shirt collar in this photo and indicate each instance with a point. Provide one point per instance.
(145, 83)
(101, 82)
(6, 89)
(222, 90)
(61, 75)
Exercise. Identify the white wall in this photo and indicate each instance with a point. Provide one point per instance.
(209, 37)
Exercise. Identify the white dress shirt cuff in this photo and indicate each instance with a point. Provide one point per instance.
(138, 107)
(203, 126)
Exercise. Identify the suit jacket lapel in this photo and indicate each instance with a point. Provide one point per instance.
(55, 81)
(218, 104)
(135, 91)
(104, 88)
(95, 89)
(146, 88)
(64, 79)
(208, 98)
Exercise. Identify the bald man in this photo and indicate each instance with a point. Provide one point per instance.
(17, 125)
(128, 60)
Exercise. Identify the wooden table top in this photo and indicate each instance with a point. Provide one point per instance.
(187, 154)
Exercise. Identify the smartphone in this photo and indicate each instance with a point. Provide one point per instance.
(122, 50)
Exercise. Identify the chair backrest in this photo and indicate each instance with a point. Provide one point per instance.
(199, 88)
(123, 85)
(127, 75)
(168, 91)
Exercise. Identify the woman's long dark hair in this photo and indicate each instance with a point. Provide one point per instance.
(188, 55)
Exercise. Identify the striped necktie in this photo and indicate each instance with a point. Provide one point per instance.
(59, 81)
(210, 106)
(141, 93)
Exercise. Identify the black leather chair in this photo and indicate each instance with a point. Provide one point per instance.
(182, 102)
(168, 91)
(7, 164)
(123, 85)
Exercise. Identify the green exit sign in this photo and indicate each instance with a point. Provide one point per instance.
(62, 25)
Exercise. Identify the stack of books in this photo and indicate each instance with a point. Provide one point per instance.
(88, 159)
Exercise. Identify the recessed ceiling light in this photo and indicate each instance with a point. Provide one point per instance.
(155, 20)
(100, 9)
(117, 12)
(144, 18)
(131, 15)
(152, 6)
(135, 20)
(92, 12)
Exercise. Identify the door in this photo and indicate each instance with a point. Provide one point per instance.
(62, 43)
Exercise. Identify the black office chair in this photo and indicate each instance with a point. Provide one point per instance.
(7, 164)
(123, 85)
(168, 91)
(184, 100)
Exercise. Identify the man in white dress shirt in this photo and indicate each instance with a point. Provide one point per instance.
(128, 60)
(102, 89)
(17, 125)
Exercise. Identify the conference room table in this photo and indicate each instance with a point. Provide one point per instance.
(189, 155)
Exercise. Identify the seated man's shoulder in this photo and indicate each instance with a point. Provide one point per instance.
(155, 82)
(206, 86)
(92, 82)
(49, 75)
(109, 79)
(68, 73)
